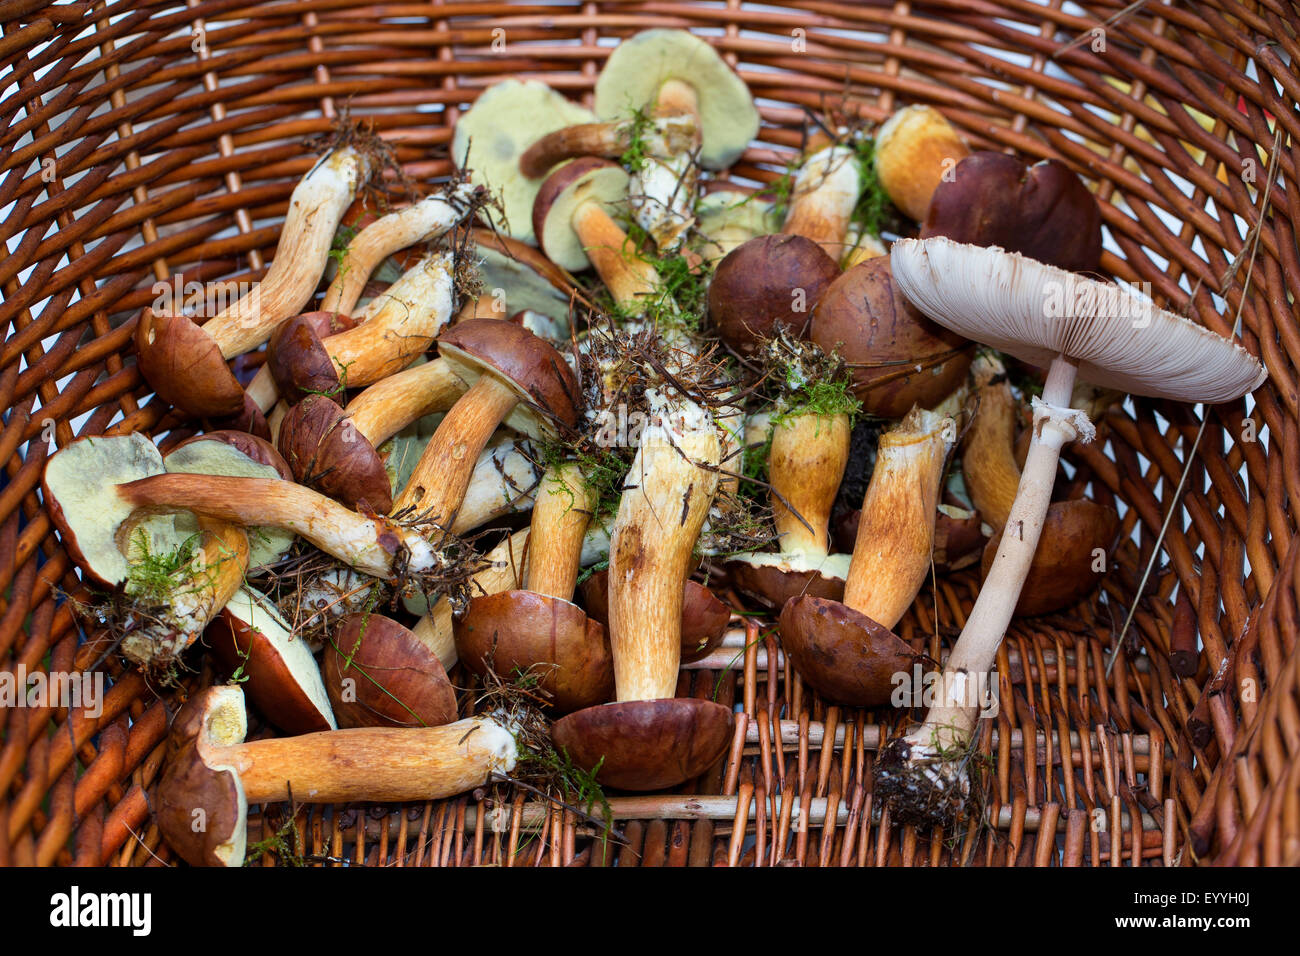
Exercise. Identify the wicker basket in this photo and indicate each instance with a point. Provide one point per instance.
(143, 140)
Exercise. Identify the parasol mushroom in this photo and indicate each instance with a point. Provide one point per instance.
(1098, 331)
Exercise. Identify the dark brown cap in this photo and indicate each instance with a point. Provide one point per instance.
(184, 366)
(515, 630)
(526, 362)
(379, 674)
(298, 359)
(327, 453)
(646, 744)
(704, 616)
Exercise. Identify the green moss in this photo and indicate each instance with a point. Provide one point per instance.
(634, 158)
(156, 578)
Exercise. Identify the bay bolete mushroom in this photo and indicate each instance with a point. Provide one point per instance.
(847, 650)
(186, 363)
(513, 377)
(898, 357)
(915, 149)
(539, 629)
(1043, 211)
(212, 774)
(1074, 326)
(646, 739)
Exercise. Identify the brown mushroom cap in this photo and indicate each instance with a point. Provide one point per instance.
(958, 537)
(184, 366)
(1062, 570)
(530, 365)
(776, 578)
(760, 286)
(646, 744)
(845, 655)
(298, 359)
(515, 630)
(283, 681)
(327, 453)
(704, 616)
(250, 420)
(379, 674)
(190, 784)
(1043, 211)
(865, 316)
(588, 179)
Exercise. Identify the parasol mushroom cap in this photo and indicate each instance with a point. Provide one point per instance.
(640, 65)
(89, 519)
(194, 781)
(1036, 312)
(491, 135)
(282, 678)
(547, 388)
(236, 454)
(589, 179)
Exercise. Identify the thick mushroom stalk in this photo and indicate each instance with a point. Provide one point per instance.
(514, 377)
(1045, 316)
(421, 222)
(373, 545)
(823, 196)
(186, 363)
(647, 739)
(665, 184)
(539, 629)
(213, 775)
(315, 210)
(847, 650)
(395, 328)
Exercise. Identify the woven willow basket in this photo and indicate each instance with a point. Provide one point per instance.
(145, 139)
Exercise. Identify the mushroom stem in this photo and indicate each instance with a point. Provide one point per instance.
(561, 511)
(315, 210)
(659, 520)
(665, 184)
(370, 545)
(891, 555)
(988, 463)
(628, 276)
(375, 764)
(825, 190)
(421, 222)
(438, 484)
(609, 140)
(807, 460)
(391, 404)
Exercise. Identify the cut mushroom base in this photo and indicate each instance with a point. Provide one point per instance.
(186, 364)
(1075, 326)
(212, 770)
(847, 650)
(647, 740)
(540, 630)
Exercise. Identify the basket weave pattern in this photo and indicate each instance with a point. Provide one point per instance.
(146, 140)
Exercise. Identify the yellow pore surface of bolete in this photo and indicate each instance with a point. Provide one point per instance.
(186, 363)
(539, 630)
(1098, 331)
(513, 377)
(848, 651)
(647, 740)
(213, 774)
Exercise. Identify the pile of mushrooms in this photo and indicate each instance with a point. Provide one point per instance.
(525, 442)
